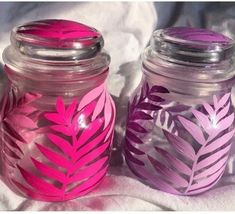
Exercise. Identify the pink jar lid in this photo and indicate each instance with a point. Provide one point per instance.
(53, 34)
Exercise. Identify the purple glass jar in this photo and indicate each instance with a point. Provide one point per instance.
(181, 118)
(57, 117)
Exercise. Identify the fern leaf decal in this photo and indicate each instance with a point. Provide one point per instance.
(140, 110)
(208, 162)
(16, 123)
(197, 149)
(82, 135)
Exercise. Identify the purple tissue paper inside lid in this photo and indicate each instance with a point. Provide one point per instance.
(196, 35)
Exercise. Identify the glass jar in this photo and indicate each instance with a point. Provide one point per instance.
(181, 118)
(57, 117)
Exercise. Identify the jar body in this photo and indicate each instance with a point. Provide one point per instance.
(178, 138)
(55, 147)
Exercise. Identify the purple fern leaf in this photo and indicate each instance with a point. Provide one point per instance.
(193, 129)
(180, 145)
(133, 137)
(155, 98)
(178, 108)
(158, 89)
(177, 164)
(148, 106)
(136, 127)
(168, 173)
(133, 159)
(133, 149)
(140, 115)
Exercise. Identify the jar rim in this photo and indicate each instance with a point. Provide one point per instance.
(196, 45)
(57, 39)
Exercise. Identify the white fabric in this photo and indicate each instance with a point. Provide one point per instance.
(126, 28)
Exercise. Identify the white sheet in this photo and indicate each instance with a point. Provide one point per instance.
(127, 28)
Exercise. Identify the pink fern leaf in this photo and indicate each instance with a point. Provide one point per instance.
(91, 130)
(221, 126)
(54, 157)
(212, 158)
(10, 153)
(209, 180)
(89, 157)
(68, 131)
(213, 169)
(193, 129)
(221, 141)
(22, 121)
(108, 110)
(202, 118)
(89, 171)
(39, 184)
(92, 144)
(209, 109)
(61, 143)
(177, 163)
(168, 173)
(99, 106)
(205, 188)
(90, 96)
(55, 117)
(49, 171)
(110, 118)
(60, 107)
(223, 112)
(29, 98)
(35, 194)
(27, 109)
(87, 185)
(69, 112)
(222, 101)
(9, 130)
(180, 145)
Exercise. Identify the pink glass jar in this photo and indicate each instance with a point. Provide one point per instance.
(57, 117)
(180, 121)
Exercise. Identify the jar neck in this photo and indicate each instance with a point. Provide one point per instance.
(55, 77)
(188, 81)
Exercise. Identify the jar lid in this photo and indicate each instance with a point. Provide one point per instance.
(57, 39)
(195, 45)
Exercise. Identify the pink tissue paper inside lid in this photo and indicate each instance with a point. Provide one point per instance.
(58, 29)
(197, 35)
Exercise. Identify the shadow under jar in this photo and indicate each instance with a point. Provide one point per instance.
(180, 121)
(57, 117)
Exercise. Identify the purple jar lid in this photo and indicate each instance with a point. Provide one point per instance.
(192, 44)
(60, 35)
